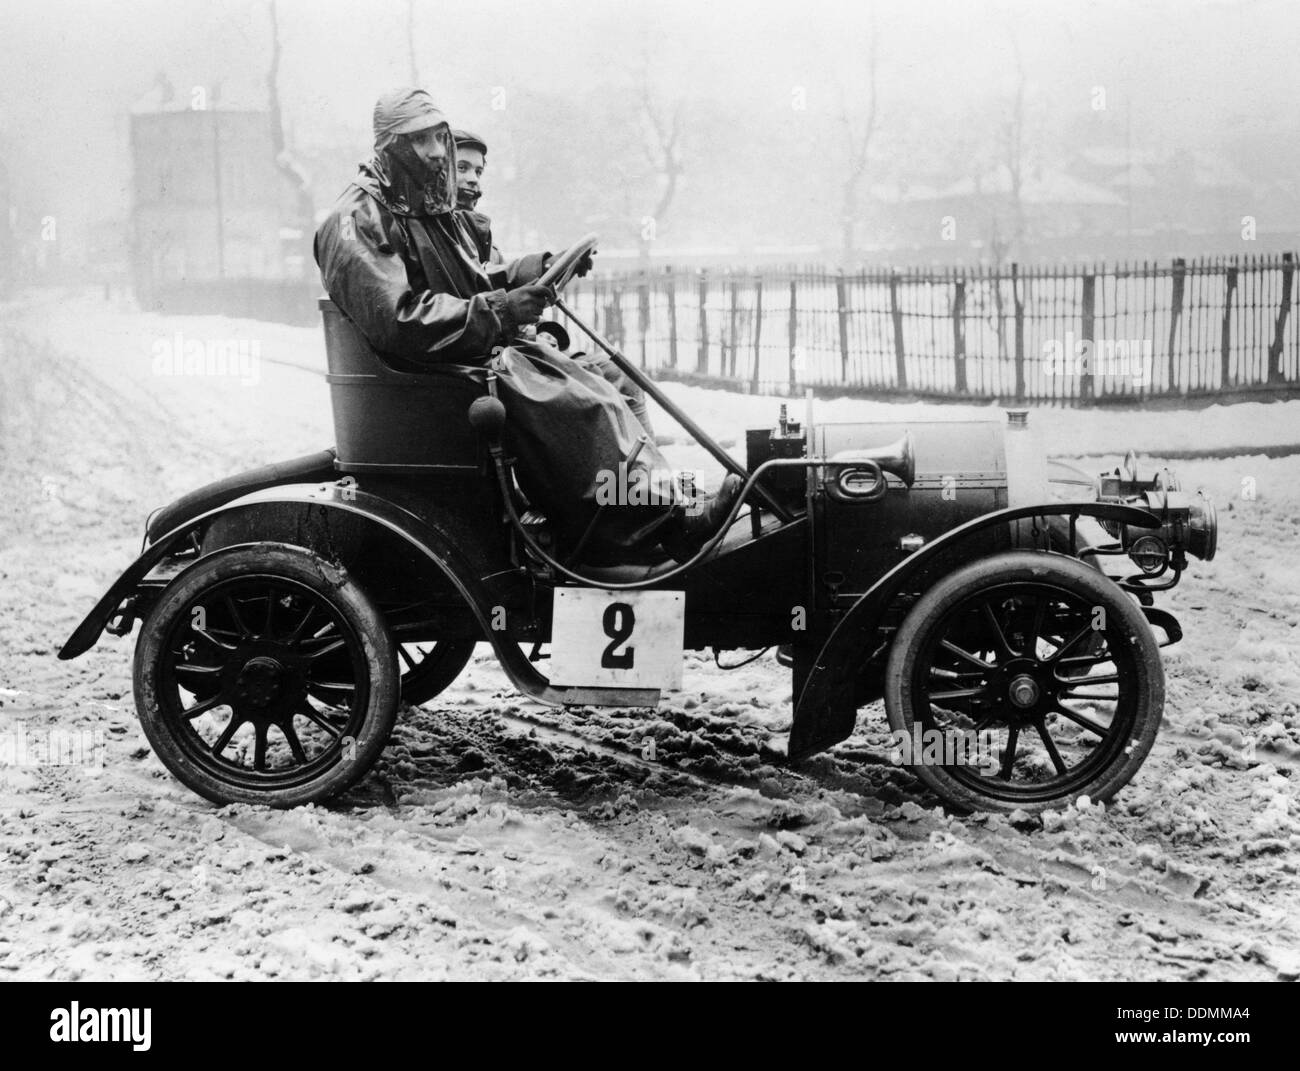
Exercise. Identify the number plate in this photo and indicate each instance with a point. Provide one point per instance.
(622, 639)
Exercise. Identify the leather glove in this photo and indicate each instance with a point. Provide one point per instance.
(526, 303)
(585, 264)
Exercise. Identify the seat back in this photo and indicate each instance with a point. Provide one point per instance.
(390, 421)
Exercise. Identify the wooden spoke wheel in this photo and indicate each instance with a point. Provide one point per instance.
(1024, 682)
(264, 674)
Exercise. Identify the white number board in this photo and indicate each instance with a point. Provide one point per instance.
(620, 639)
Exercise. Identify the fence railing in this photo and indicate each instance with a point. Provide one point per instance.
(1078, 335)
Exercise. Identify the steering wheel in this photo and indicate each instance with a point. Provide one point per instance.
(561, 269)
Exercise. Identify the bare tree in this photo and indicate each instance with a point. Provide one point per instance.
(283, 161)
(859, 131)
(273, 86)
(662, 145)
(410, 42)
(1005, 240)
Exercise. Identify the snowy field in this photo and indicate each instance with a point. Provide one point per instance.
(501, 839)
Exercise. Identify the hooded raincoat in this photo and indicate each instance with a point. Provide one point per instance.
(402, 265)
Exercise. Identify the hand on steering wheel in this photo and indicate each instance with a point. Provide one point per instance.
(576, 260)
(527, 303)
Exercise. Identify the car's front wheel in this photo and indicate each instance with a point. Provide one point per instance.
(1024, 681)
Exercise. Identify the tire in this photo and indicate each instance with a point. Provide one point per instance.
(977, 661)
(259, 621)
(426, 674)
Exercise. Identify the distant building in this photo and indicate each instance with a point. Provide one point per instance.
(1190, 202)
(218, 224)
(1107, 202)
(1055, 212)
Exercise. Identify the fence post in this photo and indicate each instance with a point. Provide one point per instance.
(959, 336)
(672, 315)
(733, 341)
(1018, 306)
(614, 316)
(1175, 311)
(842, 303)
(758, 329)
(1275, 349)
(702, 355)
(900, 358)
(1088, 326)
(794, 333)
(643, 309)
(1225, 331)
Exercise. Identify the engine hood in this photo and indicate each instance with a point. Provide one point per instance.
(950, 454)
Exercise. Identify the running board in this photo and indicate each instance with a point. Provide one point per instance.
(607, 697)
(525, 677)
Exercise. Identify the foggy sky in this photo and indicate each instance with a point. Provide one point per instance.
(1190, 73)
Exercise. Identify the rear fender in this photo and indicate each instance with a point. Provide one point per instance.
(436, 547)
(431, 543)
(826, 710)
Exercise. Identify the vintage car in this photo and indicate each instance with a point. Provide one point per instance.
(286, 611)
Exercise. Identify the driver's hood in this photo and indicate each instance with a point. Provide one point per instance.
(395, 176)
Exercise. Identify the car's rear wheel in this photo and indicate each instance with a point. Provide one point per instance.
(427, 669)
(231, 666)
(1024, 681)
(430, 668)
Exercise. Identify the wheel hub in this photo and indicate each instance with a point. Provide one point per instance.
(1023, 691)
(260, 681)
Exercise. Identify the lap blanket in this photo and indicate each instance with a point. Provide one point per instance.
(572, 435)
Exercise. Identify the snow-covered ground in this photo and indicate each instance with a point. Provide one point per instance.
(500, 839)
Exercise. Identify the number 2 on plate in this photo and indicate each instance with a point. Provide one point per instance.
(618, 621)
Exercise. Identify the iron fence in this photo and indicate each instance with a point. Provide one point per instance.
(1078, 335)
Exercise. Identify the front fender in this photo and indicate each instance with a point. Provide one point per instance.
(826, 710)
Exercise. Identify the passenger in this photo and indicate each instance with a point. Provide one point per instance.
(471, 161)
(404, 267)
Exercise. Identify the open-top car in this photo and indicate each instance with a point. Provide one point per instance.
(284, 612)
